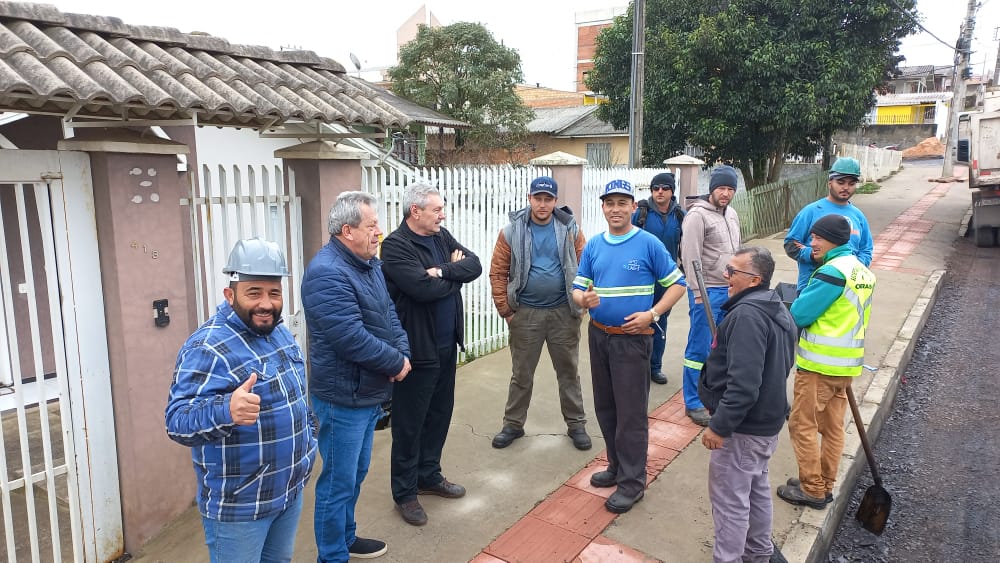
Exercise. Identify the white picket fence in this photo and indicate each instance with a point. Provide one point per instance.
(876, 163)
(478, 201)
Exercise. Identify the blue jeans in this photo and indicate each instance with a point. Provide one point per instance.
(345, 444)
(700, 341)
(266, 540)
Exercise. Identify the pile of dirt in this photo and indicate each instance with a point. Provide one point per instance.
(928, 148)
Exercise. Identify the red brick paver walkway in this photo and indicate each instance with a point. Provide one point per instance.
(906, 232)
(567, 525)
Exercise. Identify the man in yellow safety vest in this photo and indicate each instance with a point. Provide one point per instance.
(833, 311)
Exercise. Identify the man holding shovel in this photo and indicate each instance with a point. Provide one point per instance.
(833, 310)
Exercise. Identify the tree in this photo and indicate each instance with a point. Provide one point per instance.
(751, 81)
(461, 71)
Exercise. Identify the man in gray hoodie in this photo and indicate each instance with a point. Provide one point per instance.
(743, 386)
(711, 234)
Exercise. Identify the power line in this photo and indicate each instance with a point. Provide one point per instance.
(924, 29)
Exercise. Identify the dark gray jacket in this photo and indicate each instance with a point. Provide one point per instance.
(743, 381)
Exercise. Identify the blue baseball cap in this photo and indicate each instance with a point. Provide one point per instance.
(622, 187)
(544, 185)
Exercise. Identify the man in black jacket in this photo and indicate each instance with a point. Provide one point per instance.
(425, 268)
(743, 387)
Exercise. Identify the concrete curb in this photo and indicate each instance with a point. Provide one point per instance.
(810, 540)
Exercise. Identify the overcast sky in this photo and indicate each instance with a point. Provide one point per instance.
(543, 31)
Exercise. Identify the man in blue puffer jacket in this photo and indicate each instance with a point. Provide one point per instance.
(357, 349)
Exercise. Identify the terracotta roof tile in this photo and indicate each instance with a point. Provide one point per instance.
(101, 67)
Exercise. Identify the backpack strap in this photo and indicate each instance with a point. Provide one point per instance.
(640, 220)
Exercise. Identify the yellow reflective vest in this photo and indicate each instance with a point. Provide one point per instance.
(835, 343)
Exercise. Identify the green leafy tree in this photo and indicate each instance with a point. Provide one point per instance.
(461, 71)
(751, 81)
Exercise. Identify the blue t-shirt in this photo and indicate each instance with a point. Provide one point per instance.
(860, 242)
(546, 285)
(623, 270)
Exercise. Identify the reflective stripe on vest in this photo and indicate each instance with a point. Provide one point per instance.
(835, 343)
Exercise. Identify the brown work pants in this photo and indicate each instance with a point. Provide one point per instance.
(818, 408)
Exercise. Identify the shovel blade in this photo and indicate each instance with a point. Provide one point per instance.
(874, 510)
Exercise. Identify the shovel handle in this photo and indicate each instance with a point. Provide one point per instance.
(864, 436)
(696, 264)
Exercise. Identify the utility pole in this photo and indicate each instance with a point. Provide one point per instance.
(638, 74)
(962, 52)
(996, 69)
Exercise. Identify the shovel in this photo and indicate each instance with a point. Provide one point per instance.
(876, 504)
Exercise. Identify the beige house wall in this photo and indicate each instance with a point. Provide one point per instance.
(577, 146)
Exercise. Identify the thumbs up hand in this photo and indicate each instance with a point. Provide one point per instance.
(244, 404)
(589, 299)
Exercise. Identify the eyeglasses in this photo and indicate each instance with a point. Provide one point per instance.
(730, 270)
(660, 188)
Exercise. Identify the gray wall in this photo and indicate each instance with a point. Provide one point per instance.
(905, 136)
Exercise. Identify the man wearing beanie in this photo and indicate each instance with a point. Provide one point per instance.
(531, 277)
(712, 235)
(844, 177)
(661, 217)
(833, 311)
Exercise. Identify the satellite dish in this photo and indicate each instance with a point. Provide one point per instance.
(357, 63)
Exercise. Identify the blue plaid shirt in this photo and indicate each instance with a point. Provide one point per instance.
(244, 472)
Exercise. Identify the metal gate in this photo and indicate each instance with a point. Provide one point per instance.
(58, 471)
(233, 202)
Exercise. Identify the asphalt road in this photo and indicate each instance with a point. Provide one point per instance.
(939, 451)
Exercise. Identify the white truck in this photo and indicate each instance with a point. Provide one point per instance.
(984, 169)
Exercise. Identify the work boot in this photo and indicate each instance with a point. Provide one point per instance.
(412, 512)
(658, 377)
(604, 479)
(445, 489)
(364, 548)
(794, 482)
(581, 440)
(506, 436)
(699, 416)
(620, 503)
(795, 495)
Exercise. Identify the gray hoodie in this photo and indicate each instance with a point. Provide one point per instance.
(710, 234)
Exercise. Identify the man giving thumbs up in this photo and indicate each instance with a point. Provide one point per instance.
(238, 399)
(615, 281)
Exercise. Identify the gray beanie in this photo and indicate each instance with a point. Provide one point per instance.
(723, 176)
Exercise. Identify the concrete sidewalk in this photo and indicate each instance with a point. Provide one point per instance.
(531, 502)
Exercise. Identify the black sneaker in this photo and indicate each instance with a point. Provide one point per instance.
(364, 548)
(699, 416)
(581, 440)
(794, 482)
(795, 495)
(658, 378)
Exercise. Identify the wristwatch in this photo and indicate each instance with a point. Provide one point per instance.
(656, 316)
